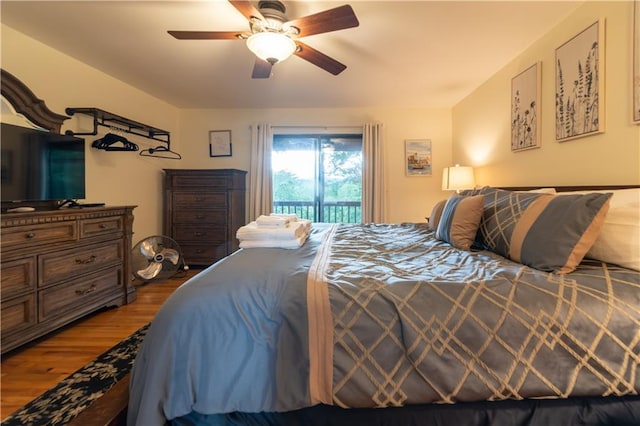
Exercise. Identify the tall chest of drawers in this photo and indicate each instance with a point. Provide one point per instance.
(59, 265)
(203, 209)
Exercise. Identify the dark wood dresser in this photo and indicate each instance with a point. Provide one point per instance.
(203, 209)
(60, 265)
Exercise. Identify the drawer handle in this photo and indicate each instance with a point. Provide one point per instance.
(200, 216)
(30, 235)
(103, 226)
(86, 290)
(90, 259)
(200, 199)
(199, 234)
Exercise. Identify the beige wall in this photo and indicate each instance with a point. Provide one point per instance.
(475, 132)
(481, 122)
(116, 178)
(409, 198)
(126, 178)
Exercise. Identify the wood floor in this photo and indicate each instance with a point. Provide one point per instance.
(29, 371)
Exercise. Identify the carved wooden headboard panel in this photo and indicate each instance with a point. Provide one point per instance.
(25, 102)
(571, 188)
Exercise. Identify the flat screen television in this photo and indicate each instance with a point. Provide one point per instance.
(40, 166)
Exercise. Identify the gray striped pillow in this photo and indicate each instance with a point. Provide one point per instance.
(548, 232)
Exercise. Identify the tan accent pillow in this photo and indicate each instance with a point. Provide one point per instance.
(460, 220)
(436, 213)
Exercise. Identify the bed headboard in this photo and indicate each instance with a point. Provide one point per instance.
(571, 188)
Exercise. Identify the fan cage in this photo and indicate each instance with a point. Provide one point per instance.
(156, 258)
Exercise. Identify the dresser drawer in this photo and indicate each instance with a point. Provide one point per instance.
(194, 254)
(102, 226)
(59, 265)
(202, 217)
(18, 276)
(38, 234)
(199, 234)
(80, 295)
(187, 182)
(200, 200)
(17, 314)
(202, 211)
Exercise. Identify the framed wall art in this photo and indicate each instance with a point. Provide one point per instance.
(636, 62)
(220, 143)
(580, 84)
(525, 109)
(417, 157)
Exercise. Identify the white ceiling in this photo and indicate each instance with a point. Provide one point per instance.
(403, 54)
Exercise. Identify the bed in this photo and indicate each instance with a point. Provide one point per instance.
(494, 315)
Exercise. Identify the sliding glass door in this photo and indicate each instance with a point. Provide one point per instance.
(318, 177)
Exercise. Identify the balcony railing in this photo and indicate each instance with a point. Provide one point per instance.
(329, 211)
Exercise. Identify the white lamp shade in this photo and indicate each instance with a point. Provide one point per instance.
(457, 178)
(271, 47)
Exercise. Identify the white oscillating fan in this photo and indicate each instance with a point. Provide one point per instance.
(156, 258)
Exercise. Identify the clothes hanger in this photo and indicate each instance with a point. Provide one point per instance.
(160, 152)
(114, 142)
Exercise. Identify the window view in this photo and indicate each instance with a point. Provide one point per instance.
(318, 177)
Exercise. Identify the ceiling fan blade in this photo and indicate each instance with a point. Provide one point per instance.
(247, 9)
(261, 69)
(335, 19)
(206, 35)
(319, 59)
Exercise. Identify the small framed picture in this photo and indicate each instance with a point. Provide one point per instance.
(417, 157)
(220, 143)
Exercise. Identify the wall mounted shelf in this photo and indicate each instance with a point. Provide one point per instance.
(122, 124)
(114, 121)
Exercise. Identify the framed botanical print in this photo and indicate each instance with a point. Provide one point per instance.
(525, 109)
(580, 84)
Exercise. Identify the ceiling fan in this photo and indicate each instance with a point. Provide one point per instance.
(272, 38)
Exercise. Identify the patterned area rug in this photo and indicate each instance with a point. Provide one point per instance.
(60, 404)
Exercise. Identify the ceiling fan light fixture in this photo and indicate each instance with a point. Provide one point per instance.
(271, 47)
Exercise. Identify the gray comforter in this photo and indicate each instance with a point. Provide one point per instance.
(384, 315)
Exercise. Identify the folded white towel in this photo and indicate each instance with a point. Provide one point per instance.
(306, 223)
(293, 243)
(272, 221)
(252, 231)
(291, 216)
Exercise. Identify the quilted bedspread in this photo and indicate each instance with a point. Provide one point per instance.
(384, 315)
(414, 320)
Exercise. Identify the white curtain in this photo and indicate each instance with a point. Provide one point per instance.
(373, 208)
(260, 186)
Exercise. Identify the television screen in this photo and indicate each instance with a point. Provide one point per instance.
(40, 166)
